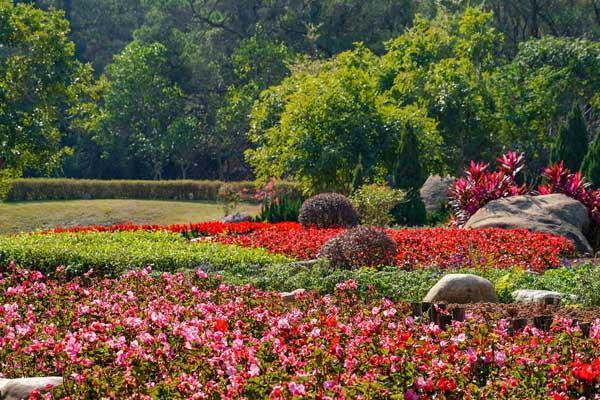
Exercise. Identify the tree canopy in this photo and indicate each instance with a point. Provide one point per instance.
(309, 90)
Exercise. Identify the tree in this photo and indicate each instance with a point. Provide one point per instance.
(140, 111)
(409, 176)
(590, 168)
(329, 117)
(572, 142)
(441, 67)
(535, 92)
(37, 69)
(100, 28)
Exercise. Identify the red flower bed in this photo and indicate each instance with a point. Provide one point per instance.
(191, 337)
(441, 247)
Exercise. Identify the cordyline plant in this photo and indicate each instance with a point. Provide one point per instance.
(479, 186)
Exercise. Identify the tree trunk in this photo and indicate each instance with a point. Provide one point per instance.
(535, 10)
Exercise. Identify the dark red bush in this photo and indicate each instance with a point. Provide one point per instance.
(328, 210)
(360, 247)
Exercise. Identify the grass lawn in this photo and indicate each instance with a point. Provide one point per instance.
(31, 216)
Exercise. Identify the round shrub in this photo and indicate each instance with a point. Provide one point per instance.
(328, 210)
(359, 247)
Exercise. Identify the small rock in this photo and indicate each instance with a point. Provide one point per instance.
(291, 296)
(19, 389)
(237, 217)
(462, 289)
(537, 296)
(201, 239)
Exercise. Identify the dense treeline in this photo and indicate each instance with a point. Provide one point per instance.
(228, 89)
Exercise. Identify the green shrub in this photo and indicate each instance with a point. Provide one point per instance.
(400, 285)
(411, 211)
(113, 253)
(360, 246)
(327, 210)
(280, 209)
(77, 189)
(374, 204)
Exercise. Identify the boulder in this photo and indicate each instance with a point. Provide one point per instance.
(537, 296)
(462, 289)
(554, 213)
(18, 389)
(435, 192)
(237, 217)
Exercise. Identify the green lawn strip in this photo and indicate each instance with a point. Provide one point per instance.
(31, 216)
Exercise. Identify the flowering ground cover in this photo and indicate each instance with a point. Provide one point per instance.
(441, 247)
(190, 336)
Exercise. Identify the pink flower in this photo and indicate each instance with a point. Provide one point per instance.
(296, 389)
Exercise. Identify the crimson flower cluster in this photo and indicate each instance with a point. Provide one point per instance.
(189, 336)
(417, 248)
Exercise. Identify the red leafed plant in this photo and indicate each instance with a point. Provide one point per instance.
(479, 186)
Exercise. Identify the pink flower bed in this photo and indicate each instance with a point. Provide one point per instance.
(191, 337)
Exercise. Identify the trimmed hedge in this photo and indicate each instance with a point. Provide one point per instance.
(110, 254)
(40, 189)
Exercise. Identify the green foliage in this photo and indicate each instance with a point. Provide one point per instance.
(401, 285)
(441, 66)
(111, 254)
(535, 92)
(572, 142)
(141, 107)
(280, 209)
(411, 211)
(374, 204)
(590, 168)
(408, 171)
(37, 69)
(325, 120)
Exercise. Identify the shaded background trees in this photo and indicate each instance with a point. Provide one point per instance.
(285, 82)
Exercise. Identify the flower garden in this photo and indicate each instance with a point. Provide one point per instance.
(194, 312)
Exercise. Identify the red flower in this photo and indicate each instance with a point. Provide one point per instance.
(446, 384)
(586, 372)
(221, 325)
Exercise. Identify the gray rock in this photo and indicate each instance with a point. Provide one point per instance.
(537, 296)
(237, 217)
(554, 213)
(18, 389)
(291, 296)
(462, 289)
(435, 192)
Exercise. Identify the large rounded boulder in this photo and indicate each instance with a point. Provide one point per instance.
(556, 214)
(462, 289)
(435, 192)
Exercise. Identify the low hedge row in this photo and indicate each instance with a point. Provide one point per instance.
(111, 254)
(40, 189)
